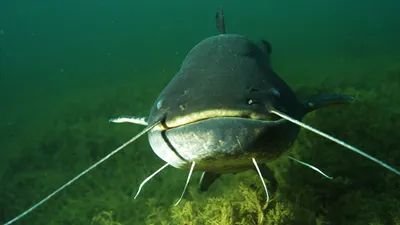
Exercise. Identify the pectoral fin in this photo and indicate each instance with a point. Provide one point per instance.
(207, 178)
(319, 101)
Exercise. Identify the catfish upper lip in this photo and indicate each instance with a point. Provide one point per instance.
(182, 120)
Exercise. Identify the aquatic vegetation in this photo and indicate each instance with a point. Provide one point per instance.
(105, 218)
(241, 206)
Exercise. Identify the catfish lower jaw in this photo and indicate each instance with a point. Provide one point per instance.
(221, 144)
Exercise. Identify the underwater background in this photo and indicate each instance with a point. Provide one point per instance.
(67, 67)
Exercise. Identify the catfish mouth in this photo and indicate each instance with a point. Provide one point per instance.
(182, 120)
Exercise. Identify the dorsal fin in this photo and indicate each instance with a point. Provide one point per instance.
(220, 21)
(265, 46)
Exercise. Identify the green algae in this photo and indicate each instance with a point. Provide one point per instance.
(105, 218)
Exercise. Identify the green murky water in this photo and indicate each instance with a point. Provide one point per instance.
(66, 67)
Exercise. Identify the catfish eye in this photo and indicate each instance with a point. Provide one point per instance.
(275, 92)
(159, 104)
(250, 101)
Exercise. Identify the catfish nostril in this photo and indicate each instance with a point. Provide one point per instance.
(250, 89)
